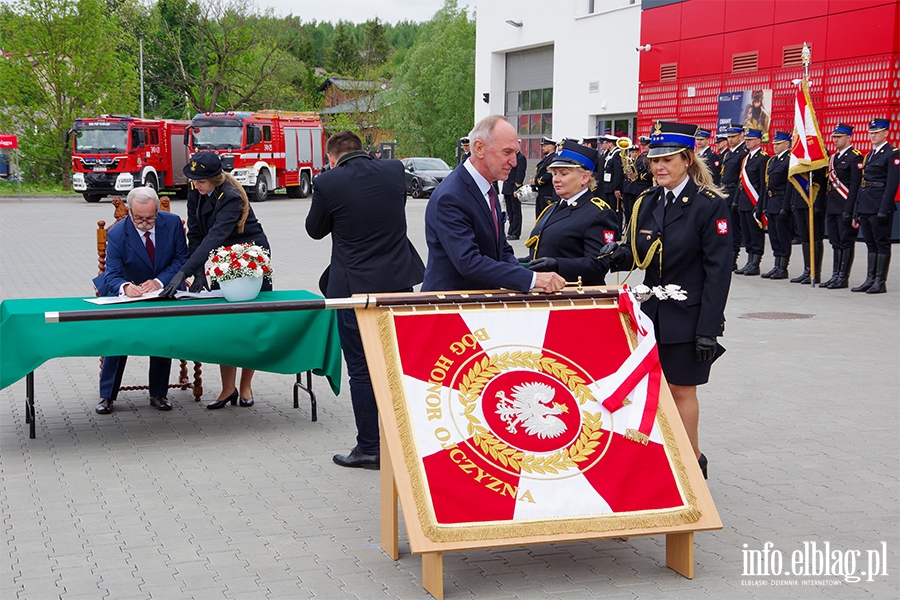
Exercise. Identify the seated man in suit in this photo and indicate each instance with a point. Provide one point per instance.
(466, 246)
(143, 252)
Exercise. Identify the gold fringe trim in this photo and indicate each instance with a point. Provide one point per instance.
(499, 530)
(636, 436)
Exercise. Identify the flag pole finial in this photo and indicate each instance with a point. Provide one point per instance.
(806, 58)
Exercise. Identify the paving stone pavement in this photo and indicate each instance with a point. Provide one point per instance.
(800, 423)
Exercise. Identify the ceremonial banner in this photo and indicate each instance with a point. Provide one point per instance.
(522, 421)
(808, 151)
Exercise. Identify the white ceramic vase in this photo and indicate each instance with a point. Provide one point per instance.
(241, 289)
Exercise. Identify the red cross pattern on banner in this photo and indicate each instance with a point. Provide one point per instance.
(534, 420)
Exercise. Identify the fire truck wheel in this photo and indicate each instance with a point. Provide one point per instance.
(151, 182)
(182, 192)
(293, 191)
(92, 197)
(261, 189)
(305, 187)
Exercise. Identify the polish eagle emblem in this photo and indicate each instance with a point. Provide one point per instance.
(531, 407)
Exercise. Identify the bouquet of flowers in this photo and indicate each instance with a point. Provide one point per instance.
(240, 260)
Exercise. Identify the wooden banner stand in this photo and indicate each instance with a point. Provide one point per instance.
(396, 485)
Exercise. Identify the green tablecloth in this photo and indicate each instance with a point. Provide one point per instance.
(280, 342)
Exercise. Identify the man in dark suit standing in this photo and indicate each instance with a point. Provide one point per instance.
(143, 253)
(466, 248)
(513, 207)
(361, 202)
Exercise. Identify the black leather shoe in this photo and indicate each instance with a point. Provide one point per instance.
(105, 407)
(703, 463)
(246, 401)
(160, 402)
(357, 459)
(233, 398)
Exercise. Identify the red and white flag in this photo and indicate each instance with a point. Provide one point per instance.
(529, 415)
(808, 151)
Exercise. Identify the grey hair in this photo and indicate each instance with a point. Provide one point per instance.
(142, 195)
(484, 129)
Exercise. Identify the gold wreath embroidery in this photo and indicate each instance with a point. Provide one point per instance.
(487, 368)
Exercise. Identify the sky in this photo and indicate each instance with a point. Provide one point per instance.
(359, 11)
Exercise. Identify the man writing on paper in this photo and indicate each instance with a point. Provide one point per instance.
(463, 229)
(143, 253)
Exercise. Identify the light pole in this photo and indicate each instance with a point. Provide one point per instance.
(141, 46)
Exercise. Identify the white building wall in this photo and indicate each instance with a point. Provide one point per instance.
(598, 47)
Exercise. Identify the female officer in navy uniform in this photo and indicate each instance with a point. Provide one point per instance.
(219, 214)
(679, 235)
(569, 234)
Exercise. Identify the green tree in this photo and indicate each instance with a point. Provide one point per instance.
(343, 53)
(432, 98)
(374, 49)
(220, 55)
(63, 61)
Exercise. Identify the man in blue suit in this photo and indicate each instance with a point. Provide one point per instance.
(143, 252)
(467, 249)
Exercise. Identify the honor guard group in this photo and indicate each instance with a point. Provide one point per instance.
(852, 195)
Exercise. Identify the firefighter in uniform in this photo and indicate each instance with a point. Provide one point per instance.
(844, 177)
(681, 236)
(542, 181)
(801, 224)
(776, 210)
(569, 235)
(613, 175)
(712, 160)
(875, 205)
(640, 180)
(731, 160)
(751, 192)
(463, 150)
(593, 142)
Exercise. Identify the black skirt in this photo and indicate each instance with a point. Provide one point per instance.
(680, 365)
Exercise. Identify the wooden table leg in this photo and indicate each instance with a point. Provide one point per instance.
(389, 518)
(433, 574)
(680, 553)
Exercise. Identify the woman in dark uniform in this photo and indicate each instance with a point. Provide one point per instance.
(219, 214)
(569, 234)
(679, 235)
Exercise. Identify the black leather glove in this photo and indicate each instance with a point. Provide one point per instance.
(199, 284)
(706, 348)
(846, 217)
(545, 263)
(784, 215)
(883, 219)
(173, 285)
(612, 254)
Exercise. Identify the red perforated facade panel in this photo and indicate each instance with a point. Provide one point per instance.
(854, 75)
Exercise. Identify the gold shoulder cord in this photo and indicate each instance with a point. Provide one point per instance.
(655, 247)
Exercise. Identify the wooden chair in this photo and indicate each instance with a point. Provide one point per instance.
(121, 211)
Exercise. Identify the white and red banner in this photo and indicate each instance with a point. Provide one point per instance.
(535, 416)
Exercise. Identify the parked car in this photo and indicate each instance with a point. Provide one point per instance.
(423, 175)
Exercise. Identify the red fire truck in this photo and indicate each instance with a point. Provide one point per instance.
(264, 150)
(114, 153)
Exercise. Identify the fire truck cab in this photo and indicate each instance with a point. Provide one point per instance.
(114, 154)
(264, 150)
